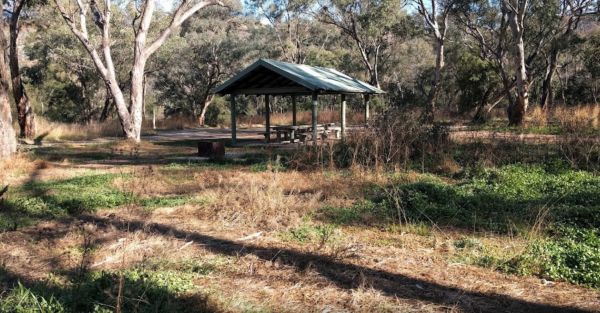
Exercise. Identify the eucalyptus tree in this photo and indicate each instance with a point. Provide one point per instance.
(369, 24)
(25, 114)
(564, 19)
(591, 60)
(61, 76)
(435, 13)
(516, 12)
(487, 37)
(292, 25)
(76, 16)
(513, 34)
(8, 141)
(211, 47)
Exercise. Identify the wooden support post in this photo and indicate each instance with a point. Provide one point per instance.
(233, 121)
(294, 120)
(267, 118)
(343, 117)
(367, 102)
(315, 104)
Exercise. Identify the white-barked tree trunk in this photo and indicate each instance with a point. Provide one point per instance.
(130, 113)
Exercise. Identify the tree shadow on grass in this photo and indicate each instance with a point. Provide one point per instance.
(105, 156)
(142, 291)
(193, 143)
(76, 288)
(38, 200)
(346, 275)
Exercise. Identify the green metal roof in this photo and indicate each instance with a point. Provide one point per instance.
(276, 77)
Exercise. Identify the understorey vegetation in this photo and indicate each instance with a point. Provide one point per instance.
(145, 234)
(546, 193)
(555, 210)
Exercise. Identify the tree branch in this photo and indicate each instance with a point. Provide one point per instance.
(82, 34)
(181, 14)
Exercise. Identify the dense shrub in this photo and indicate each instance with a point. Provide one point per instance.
(560, 204)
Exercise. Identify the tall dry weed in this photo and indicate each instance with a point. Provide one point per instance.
(577, 119)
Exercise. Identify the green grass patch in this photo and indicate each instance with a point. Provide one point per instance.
(36, 201)
(46, 200)
(508, 199)
(170, 201)
(257, 162)
(154, 287)
(310, 233)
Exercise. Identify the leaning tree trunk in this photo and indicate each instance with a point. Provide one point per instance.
(25, 114)
(202, 117)
(8, 141)
(483, 109)
(108, 104)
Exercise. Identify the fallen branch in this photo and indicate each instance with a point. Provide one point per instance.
(186, 245)
(250, 237)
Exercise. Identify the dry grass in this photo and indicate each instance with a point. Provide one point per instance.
(54, 131)
(570, 118)
(16, 166)
(174, 122)
(573, 119)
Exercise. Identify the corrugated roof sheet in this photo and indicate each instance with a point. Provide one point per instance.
(313, 78)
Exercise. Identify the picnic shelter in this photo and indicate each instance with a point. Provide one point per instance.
(270, 78)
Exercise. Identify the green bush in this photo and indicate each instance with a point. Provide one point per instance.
(570, 254)
(218, 113)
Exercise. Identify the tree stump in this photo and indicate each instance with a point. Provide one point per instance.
(211, 149)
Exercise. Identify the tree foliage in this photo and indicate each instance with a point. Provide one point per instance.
(388, 43)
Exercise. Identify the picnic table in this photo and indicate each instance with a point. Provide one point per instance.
(291, 133)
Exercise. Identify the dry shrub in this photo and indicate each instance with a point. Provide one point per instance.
(578, 118)
(395, 140)
(581, 152)
(538, 117)
(18, 164)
